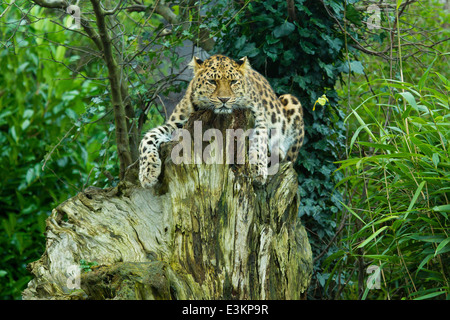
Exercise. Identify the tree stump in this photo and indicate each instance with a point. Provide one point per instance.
(205, 231)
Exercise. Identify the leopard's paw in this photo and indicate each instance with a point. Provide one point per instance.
(259, 174)
(149, 172)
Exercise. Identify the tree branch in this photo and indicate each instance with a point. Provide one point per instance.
(52, 4)
(204, 40)
(291, 10)
(112, 11)
(123, 145)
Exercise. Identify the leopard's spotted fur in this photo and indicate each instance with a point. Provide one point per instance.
(222, 84)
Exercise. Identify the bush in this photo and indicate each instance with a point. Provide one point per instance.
(401, 169)
(48, 152)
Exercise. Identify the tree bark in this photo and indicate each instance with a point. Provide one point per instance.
(120, 120)
(204, 232)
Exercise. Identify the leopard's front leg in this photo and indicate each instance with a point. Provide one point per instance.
(149, 159)
(258, 148)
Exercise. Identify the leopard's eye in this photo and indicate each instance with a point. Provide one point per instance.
(213, 82)
(233, 81)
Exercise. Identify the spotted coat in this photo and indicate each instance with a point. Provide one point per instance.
(223, 84)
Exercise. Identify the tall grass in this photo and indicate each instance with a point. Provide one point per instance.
(398, 185)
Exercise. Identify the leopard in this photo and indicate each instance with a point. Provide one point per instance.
(222, 84)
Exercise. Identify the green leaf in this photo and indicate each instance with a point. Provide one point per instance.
(424, 261)
(28, 113)
(22, 67)
(382, 257)
(355, 135)
(441, 246)
(364, 125)
(240, 42)
(443, 208)
(414, 199)
(372, 236)
(444, 80)
(285, 29)
(357, 67)
(353, 66)
(435, 159)
(249, 50)
(30, 175)
(378, 146)
(407, 111)
(424, 77)
(14, 134)
(25, 124)
(431, 239)
(328, 69)
(353, 15)
(412, 102)
(430, 295)
(353, 212)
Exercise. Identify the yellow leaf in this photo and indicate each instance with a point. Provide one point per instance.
(322, 101)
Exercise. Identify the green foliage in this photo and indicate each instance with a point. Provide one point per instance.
(389, 195)
(304, 57)
(44, 116)
(86, 266)
(392, 145)
(56, 122)
(404, 168)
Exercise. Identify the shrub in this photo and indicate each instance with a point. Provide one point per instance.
(399, 169)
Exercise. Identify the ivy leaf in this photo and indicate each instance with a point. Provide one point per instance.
(271, 40)
(249, 50)
(307, 47)
(336, 6)
(328, 68)
(288, 56)
(335, 44)
(285, 29)
(355, 66)
(240, 42)
(353, 15)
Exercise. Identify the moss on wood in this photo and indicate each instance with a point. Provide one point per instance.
(204, 232)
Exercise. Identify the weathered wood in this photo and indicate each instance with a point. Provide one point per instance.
(204, 232)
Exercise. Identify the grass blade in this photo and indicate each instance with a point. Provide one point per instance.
(353, 212)
(414, 199)
(441, 246)
(371, 237)
(430, 295)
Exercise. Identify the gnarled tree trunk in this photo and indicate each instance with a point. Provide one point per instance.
(204, 232)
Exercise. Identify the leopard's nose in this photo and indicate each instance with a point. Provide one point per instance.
(224, 99)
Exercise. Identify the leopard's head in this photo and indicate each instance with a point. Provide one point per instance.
(219, 83)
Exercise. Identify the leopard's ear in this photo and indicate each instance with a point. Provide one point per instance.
(244, 64)
(196, 64)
